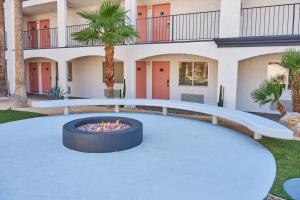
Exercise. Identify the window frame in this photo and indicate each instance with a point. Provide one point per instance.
(193, 74)
(70, 72)
(286, 85)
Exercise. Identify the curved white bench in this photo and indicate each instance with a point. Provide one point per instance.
(259, 125)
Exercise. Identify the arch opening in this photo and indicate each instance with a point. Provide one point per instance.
(86, 77)
(41, 75)
(184, 77)
(252, 72)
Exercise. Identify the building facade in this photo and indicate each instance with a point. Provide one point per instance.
(186, 49)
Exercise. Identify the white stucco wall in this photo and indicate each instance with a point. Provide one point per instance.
(256, 3)
(51, 16)
(209, 92)
(252, 72)
(87, 78)
(181, 6)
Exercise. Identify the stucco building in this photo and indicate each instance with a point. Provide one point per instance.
(186, 49)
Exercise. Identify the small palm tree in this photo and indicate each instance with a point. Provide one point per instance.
(107, 25)
(269, 92)
(291, 60)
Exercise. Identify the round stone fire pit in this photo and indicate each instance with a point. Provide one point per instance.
(79, 138)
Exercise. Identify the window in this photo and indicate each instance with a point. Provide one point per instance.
(275, 71)
(70, 73)
(193, 73)
(119, 72)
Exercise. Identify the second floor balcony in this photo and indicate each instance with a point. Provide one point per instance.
(266, 21)
(40, 38)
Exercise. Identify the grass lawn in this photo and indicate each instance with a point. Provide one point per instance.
(287, 155)
(12, 115)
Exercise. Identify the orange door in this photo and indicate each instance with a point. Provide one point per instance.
(142, 23)
(160, 79)
(44, 33)
(33, 77)
(141, 80)
(46, 77)
(32, 35)
(161, 22)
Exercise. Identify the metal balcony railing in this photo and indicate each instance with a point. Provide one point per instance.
(173, 28)
(73, 43)
(40, 39)
(277, 20)
(176, 28)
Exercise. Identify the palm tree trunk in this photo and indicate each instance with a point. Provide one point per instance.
(20, 88)
(109, 70)
(281, 108)
(295, 92)
(3, 87)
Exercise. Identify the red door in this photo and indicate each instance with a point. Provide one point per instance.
(44, 33)
(161, 22)
(33, 77)
(46, 77)
(32, 35)
(141, 80)
(142, 23)
(160, 79)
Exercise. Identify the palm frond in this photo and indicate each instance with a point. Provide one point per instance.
(107, 24)
(86, 35)
(269, 91)
(291, 60)
(88, 14)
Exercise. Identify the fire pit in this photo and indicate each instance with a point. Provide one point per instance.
(102, 134)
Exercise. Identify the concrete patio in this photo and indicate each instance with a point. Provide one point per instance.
(194, 161)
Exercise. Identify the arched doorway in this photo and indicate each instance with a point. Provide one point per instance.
(86, 78)
(177, 77)
(252, 72)
(41, 75)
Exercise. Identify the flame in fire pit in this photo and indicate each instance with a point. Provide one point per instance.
(103, 127)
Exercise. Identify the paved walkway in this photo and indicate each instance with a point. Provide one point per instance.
(292, 187)
(179, 159)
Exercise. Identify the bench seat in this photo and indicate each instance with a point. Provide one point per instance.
(259, 125)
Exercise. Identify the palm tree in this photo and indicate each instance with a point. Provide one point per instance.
(20, 88)
(269, 92)
(2, 52)
(107, 25)
(291, 60)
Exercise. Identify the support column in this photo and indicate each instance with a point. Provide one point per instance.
(230, 18)
(131, 7)
(62, 12)
(257, 136)
(63, 75)
(10, 44)
(214, 120)
(228, 78)
(130, 73)
(165, 111)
